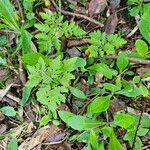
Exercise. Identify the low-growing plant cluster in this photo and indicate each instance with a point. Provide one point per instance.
(53, 77)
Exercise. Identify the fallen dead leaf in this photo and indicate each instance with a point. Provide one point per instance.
(96, 7)
(3, 128)
(2, 117)
(141, 71)
(65, 146)
(80, 10)
(56, 137)
(9, 101)
(99, 79)
(116, 106)
(114, 4)
(111, 23)
(38, 137)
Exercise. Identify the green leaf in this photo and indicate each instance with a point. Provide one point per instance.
(65, 115)
(107, 131)
(78, 122)
(25, 95)
(93, 139)
(44, 120)
(32, 58)
(77, 93)
(101, 146)
(141, 47)
(145, 121)
(99, 104)
(134, 11)
(114, 144)
(83, 123)
(3, 40)
(3, 61)
(123, 120)
(12, 145)
(142, 131)
(104, 69)
(144, 90)
(132, 92)
(122, 61)
(8, 15)
(25, 41)
(74, 63)
(8, 111)
(144, 26)
(113, 87)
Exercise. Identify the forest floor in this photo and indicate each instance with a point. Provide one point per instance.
(74, 74)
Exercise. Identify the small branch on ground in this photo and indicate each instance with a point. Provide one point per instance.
(21, 12)
(131, 59)
(76, 15)
(138, 126)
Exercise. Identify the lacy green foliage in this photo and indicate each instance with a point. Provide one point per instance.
(102, 43)
(53, 29)
(53, 80)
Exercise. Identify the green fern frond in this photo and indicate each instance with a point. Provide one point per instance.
(53, 29)
(53, 80)
(102, 43)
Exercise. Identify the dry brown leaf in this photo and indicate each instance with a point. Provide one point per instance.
(116, 106)
(65, 146)
(3, 128)
(38, 137)
(111, 24)
(99, 79)
(114, 4)
(96, 7)
(2, 117)
(80, 10)
(141, 71)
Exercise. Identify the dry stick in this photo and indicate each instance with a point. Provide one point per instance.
(76, 15)
(137, 128)
(134, 60)
(20, 10)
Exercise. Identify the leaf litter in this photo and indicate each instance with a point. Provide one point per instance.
(24, 124)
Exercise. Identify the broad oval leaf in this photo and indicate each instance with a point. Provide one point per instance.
(114, 144)
(65, 115)
(83, 123)
(78, 122)
(141, 47)
(99, 104)
(25, 95)
(144, 26)
(13, 144)
(122, 61)
(123, 120)
(77, 93)
(104, 69)
(8, 111)
(44, 120)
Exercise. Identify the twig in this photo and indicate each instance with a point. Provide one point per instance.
(76, 15)
(20, 10)
(137, 128)
(54, 143)
(134, 60)
(133, 31)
